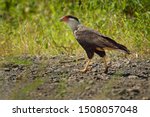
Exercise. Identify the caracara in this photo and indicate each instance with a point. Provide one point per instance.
(92, 41)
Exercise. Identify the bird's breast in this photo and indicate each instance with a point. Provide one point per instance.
(75, 34)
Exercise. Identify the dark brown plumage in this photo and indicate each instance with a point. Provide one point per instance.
(92, 41)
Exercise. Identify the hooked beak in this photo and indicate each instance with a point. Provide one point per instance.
(61, 19)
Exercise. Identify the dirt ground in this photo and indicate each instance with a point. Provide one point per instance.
(57, 77)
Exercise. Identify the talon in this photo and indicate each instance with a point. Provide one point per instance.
(85, 70)
(89, 68)
(86, 67)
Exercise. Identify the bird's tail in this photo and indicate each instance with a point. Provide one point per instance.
(123, 48)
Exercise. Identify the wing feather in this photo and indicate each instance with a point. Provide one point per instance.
(92, 37)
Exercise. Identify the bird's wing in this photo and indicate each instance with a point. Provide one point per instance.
(92, 37)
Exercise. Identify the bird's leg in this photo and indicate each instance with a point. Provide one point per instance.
(86, 66)
(105, 63)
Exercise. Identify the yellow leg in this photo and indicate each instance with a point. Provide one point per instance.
(105, 63)
(86, 66)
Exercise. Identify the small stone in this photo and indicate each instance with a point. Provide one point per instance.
(7, 69)
(88, 88)
(132, 77)
(14, 66)
(148, 61)
(58, 70)
(56, 80)
(91, 82)
(38, 88)
(110, 72)
(94, 70)
(94, 73)
(128, 62)
(21, 67)
(134, 65)
(13, 78)
(81, 81)
(126, 73)
(146, 98)
(122, 91)
(136, 91)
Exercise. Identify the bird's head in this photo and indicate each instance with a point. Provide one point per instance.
(72, 21)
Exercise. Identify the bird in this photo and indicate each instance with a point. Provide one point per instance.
(92, 41)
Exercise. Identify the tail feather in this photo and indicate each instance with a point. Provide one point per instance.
(116, 45)
(123, 48)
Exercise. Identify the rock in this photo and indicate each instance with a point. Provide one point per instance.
(146, 98)
(111, 72)
(13, 78)
(126, 74)
(21, 67)
(94, 73)
(148, 61)
(135, 91)
(7, 69)
(94, 84)
(56, 80)
(128, 62)
(122, 91)
(134, 65)
(94, 70)
(132, 77)
(15, 66)
(91, 82)
(88, 88)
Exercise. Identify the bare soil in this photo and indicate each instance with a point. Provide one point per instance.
(57, 77)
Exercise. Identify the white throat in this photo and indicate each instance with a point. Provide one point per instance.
(73, 24)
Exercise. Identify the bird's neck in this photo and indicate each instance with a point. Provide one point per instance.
(73, 25)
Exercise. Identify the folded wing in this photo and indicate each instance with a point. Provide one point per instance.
(95, 39)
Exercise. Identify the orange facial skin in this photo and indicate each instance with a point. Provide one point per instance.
(64, 19)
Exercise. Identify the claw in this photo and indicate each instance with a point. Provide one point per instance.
(85, 69)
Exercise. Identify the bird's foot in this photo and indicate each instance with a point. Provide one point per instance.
(85, 69)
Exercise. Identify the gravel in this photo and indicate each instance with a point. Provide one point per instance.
(58, 77)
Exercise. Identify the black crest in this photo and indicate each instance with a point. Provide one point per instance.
(70, 16)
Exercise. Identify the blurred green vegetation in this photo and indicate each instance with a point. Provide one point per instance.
(33, 27)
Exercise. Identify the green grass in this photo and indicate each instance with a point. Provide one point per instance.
(33, 27)
(15, 60)
(24, 90)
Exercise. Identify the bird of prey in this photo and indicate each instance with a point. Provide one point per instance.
(92, 41)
